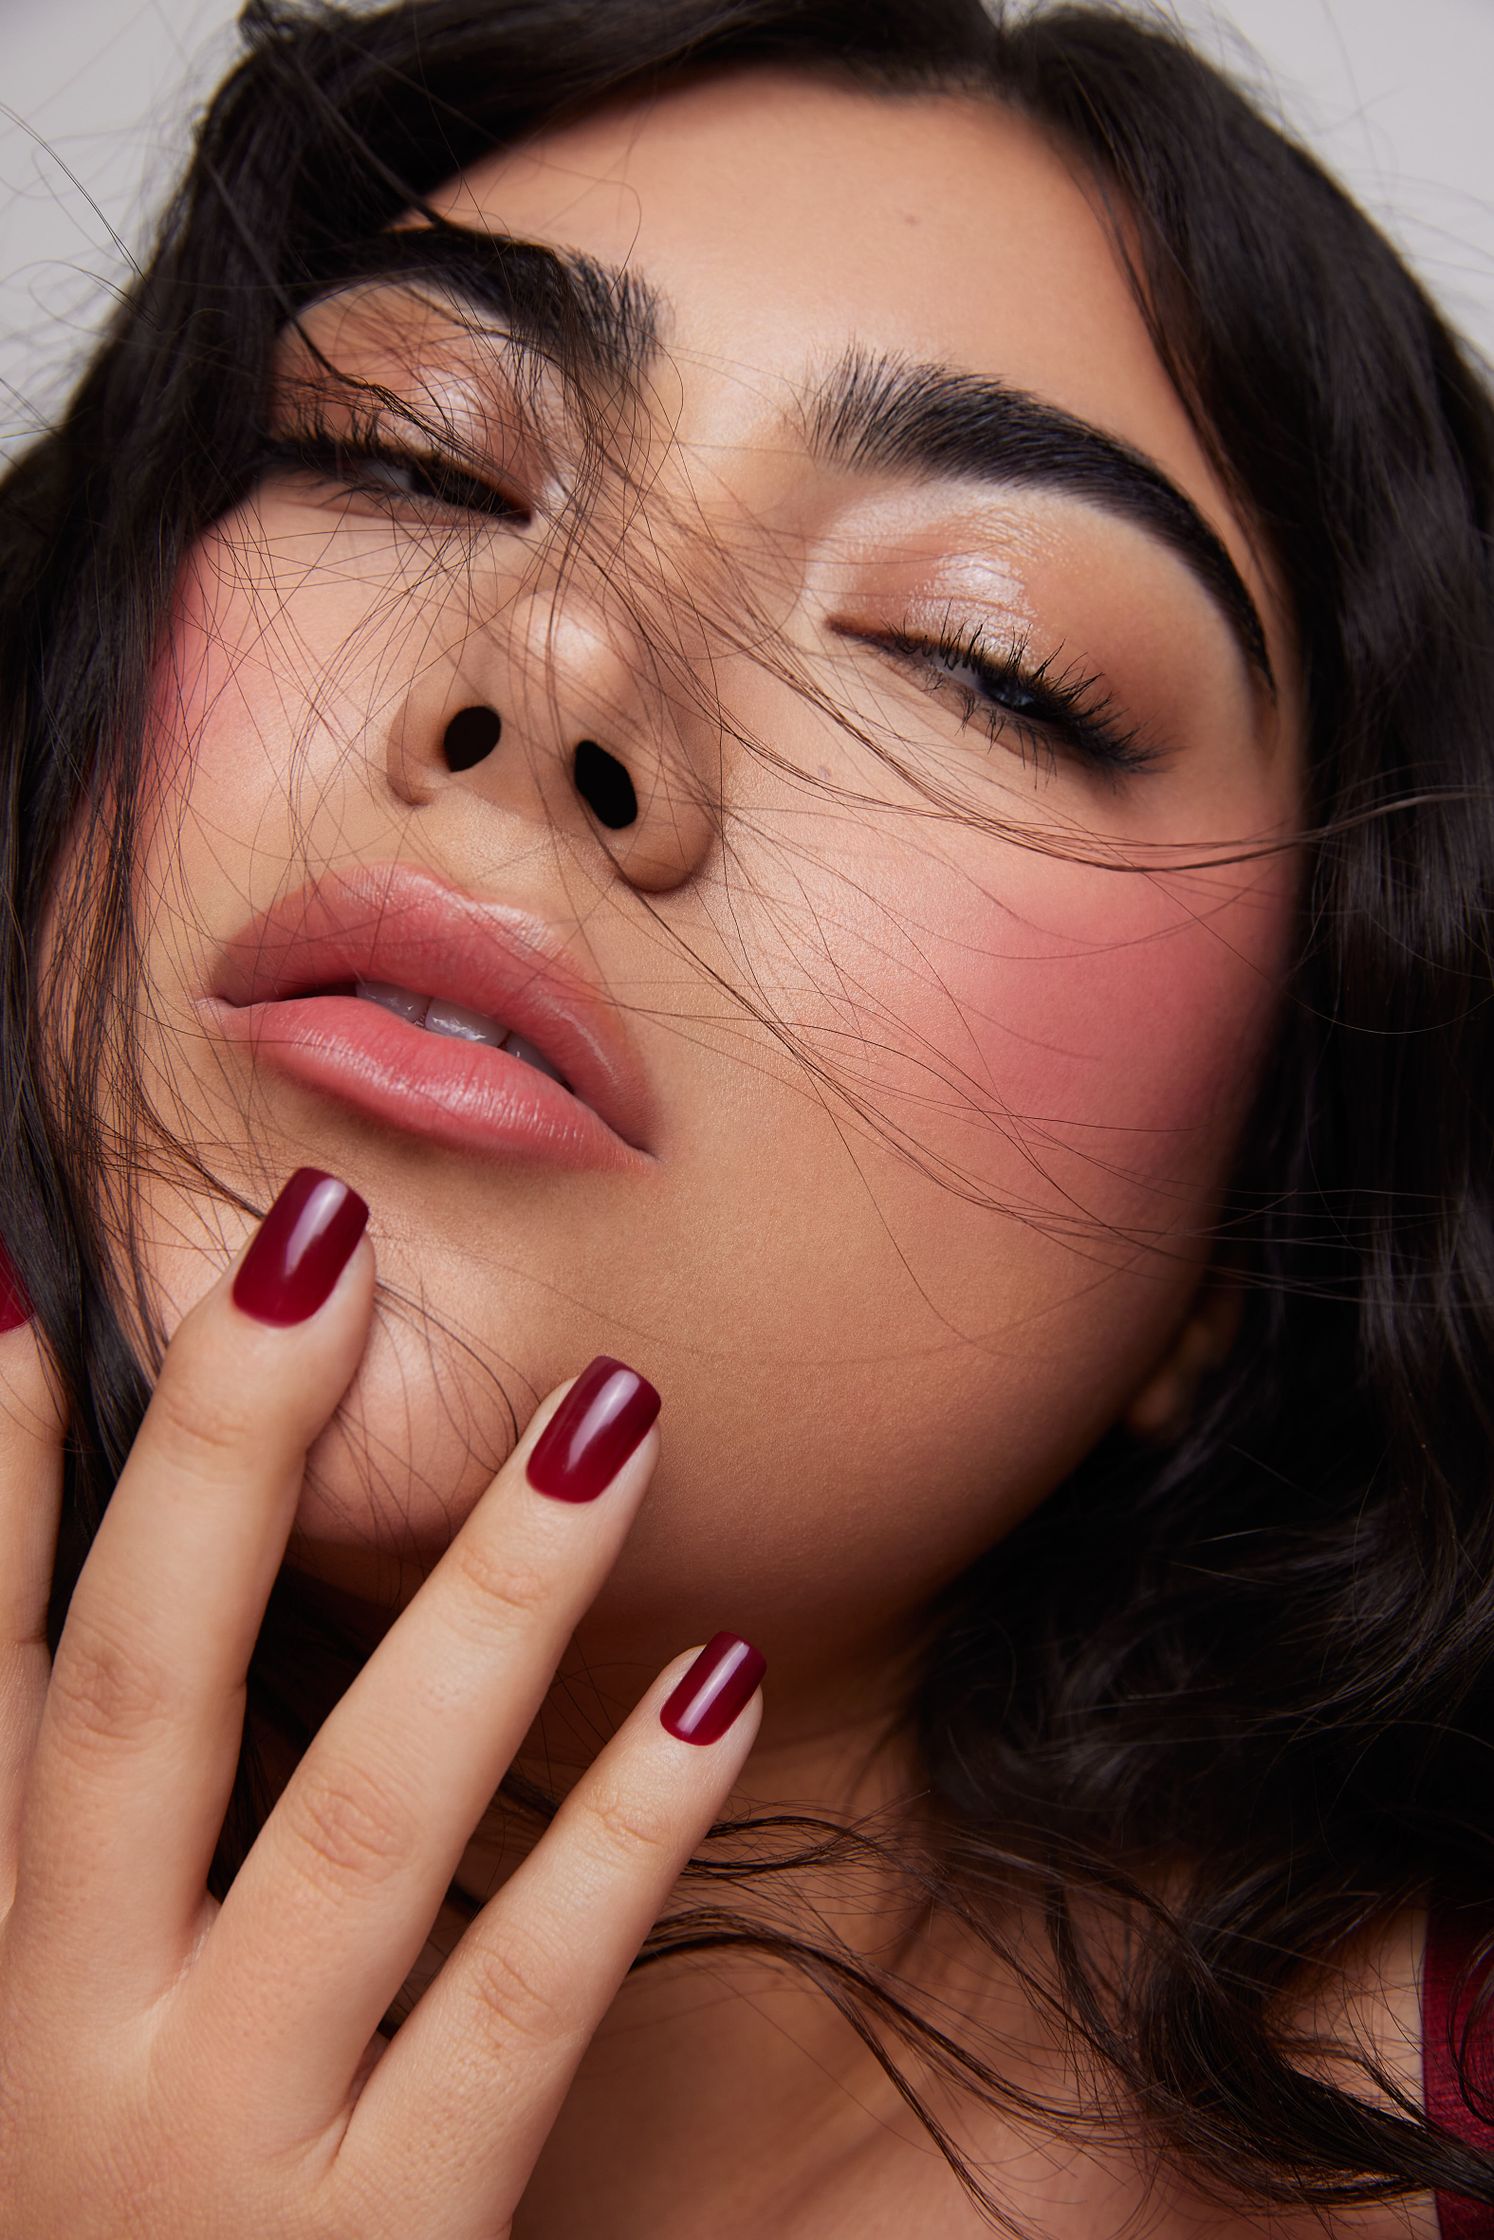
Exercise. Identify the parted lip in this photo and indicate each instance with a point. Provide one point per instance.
(401, 923)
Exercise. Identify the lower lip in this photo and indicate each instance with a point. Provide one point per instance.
(466, 1094)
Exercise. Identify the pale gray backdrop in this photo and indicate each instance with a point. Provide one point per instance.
(95, 97)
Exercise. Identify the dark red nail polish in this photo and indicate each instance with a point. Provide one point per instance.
(15, 1307)
(714, 1689)
(593, 1431)
(304, 1243)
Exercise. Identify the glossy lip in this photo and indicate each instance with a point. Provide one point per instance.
(401, 923)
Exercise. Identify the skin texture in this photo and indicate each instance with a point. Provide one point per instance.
(868, 1375)
(814, 1309)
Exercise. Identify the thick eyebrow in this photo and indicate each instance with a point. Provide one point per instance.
(889, 414)
(870, 411)
(595, 318)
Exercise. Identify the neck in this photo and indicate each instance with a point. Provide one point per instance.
(724, 2075)
(728, 2073)
(727, 2090)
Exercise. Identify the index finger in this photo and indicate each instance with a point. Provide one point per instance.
(32, 1424)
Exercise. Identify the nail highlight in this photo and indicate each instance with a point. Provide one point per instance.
(718, 1684)
(599, 1423)
(305, 1241)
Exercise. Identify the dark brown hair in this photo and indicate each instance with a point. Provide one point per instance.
(1272, 1637)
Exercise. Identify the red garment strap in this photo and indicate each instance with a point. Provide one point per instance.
(1451, 1937)
(15, 1307)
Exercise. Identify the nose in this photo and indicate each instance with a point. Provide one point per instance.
(554, 708)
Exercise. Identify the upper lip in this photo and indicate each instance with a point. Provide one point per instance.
(400, 923)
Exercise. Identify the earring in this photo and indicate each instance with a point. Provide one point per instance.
(471, 734)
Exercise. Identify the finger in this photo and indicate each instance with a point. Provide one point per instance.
(450, 2124)
(330, 1910)
(140, 1732)
(32, 1425)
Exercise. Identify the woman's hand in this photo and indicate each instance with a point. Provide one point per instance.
(175, 2068)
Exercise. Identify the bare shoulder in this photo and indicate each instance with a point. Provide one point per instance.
(1366, 2007)
(1369, 1998)
(1363, 2007)
(1353, 2013)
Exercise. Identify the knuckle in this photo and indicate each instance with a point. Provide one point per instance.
(509, 1988)
(344, 1827)
(502, 1587)
(106, 1690)
(348, 2201)
(628, 1824)
(199, 1419)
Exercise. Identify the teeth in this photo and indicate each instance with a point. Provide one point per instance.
(409, 1007)
(517, 1047)
(441, 1017)
(467, 1026)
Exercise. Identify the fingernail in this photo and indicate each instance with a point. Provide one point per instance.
(15, 1307)
(591, 1434)
(714, 1689)
(305, 1241)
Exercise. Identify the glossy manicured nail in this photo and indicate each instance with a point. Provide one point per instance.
(714, 1689)
(15, 1307)
(591, 1434)
(305, 1241)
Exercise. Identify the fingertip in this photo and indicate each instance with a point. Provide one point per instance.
(302, 1247)
(714, 1689)
(602, 1420)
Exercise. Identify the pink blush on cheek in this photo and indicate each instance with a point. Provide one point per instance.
(226, 706)
(195, 674)
(1111, 1025)
(190, 683)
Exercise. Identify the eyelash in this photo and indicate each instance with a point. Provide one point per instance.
(1067, 706)
(337, 454)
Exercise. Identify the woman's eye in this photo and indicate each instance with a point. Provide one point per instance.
(432, 481)
(994, 686)
(428, 480)
(976, 678)
(403, 476)
(385, 473)
(1048, 712)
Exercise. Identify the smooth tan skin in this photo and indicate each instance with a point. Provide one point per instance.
(867, 1377)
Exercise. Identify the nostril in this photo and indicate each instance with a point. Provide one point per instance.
(471, 734)
(604, 785)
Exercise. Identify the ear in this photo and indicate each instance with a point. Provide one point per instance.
(1160, 1410)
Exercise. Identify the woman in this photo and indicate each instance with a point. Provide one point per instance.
(896, 608)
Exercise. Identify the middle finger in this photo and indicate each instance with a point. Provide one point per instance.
(332, 1907)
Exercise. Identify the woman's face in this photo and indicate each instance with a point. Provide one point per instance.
(936, 1117)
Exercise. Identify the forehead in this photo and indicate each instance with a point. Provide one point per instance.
(784, 218)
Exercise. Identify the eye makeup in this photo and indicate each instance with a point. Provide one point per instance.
(1049, 708)
(1079, 648)
(357, 449)
(407, 402)
(989, 611)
